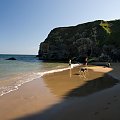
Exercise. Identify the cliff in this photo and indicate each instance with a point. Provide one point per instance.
(100, 39)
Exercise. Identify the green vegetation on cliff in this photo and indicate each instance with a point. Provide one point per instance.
(91, 39)
(105, 26)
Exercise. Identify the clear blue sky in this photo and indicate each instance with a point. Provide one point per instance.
(26, 23)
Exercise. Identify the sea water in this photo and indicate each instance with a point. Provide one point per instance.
(26, 68)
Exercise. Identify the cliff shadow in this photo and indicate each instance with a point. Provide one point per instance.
(57, 111)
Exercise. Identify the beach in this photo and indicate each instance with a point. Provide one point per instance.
(67, 95)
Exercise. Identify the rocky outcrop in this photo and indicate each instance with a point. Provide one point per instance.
(91, 39)
(12, 58)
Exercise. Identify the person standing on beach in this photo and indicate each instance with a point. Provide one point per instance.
(86, 61)
(70, 63)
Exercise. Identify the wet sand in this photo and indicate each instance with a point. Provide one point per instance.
(64, 83)
(66, 95)
(28, 99)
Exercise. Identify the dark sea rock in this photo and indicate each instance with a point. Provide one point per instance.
(12, 58)
(100, 39)
(37, 55)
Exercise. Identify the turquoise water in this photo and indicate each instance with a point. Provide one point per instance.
(14, 73)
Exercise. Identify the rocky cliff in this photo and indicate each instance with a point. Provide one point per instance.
(100, 39)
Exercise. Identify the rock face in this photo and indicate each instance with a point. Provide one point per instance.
(12, 58)
(93, 39)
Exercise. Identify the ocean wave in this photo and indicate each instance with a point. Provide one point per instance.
(24, 78)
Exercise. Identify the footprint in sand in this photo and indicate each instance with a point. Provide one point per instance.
(115, 98)
(106, 108)
(95, 113)
(108, 103)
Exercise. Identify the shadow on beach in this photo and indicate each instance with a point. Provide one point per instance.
(77, 103)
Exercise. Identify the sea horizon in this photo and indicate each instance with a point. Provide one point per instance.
(15, 54)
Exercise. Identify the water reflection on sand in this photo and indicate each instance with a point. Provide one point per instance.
(71, 84)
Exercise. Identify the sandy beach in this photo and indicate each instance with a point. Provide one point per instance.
(67, 95)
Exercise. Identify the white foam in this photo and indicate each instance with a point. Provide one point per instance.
(27, 78)
(57, 70)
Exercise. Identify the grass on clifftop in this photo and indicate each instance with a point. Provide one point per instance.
(105, 26)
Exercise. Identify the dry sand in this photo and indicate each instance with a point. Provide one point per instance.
(66, 96)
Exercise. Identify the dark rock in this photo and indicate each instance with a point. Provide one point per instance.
(12, 58)
(89, 39)
(37, 56)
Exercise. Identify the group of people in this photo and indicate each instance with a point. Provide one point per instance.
(84, 68)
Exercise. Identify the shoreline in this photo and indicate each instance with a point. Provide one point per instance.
(36, 99)
(37, 76)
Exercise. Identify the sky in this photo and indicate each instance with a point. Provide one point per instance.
(24, 24)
